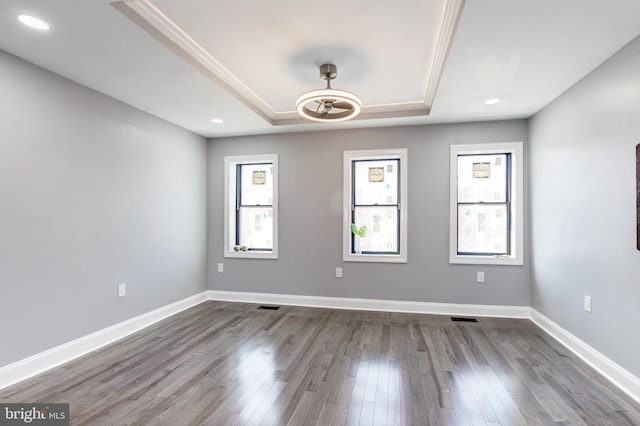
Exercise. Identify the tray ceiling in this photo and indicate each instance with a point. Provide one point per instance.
(410, 62)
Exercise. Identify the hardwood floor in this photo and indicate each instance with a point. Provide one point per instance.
(232, 363)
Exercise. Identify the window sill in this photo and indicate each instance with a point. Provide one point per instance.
(485, 260)
(250, 255)
(373, 258)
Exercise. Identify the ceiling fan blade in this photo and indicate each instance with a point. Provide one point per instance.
(318, 114)
(323, 107)
(320, 105)
(343, 105)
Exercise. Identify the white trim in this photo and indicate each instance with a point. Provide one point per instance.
(378, 154)
(625, 381)
(372, 304)
(517, 218)
(175, 37)
(230, 164)
(451, 17)
(36, 364)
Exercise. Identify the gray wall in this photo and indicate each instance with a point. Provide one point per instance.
(92, 193)
(310, 234)
(584, 208)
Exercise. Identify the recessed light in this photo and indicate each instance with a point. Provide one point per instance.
(33, 22)
(492, 101)
(217, 120)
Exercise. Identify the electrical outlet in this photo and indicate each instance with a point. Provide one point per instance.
(480, 277)
(220, 267)
(587, 303)
(122, 290)
(338, 272)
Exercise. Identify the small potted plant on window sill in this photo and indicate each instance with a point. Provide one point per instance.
(359, 234)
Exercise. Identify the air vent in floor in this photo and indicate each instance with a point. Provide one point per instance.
(269, 308)
(461, 319)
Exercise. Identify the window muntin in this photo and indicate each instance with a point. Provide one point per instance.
(487, 204)
(375, 196)
(251, 208)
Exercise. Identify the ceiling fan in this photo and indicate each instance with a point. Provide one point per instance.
(328, 104)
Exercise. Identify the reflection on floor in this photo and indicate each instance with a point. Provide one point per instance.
(232, 363)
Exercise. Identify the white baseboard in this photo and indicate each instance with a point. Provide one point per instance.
(36, 364)
(625, 381)
(373, 304)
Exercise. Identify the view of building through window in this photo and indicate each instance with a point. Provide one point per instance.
(254, 206)
(483, 204)
(376, 205)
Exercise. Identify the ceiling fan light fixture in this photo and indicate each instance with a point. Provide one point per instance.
(328, 104)
(309, 104)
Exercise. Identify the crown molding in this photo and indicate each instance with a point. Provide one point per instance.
(152, 20)
(156, 23)
(450, 20)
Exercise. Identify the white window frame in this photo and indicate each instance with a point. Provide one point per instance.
(348, 159)
(230, 164)
(516, 257)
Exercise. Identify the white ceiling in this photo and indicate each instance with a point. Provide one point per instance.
(410, 61)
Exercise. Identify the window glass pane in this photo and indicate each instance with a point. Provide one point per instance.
(256, 227)
(382, 228)
(482, 178)
(257, 184)
(376, 182)
(482, 229)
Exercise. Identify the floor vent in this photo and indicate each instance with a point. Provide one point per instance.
(460, 319)
(269, 308)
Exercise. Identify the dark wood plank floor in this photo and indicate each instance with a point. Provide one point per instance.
(232, 363)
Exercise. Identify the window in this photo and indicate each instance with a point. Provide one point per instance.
(375, 197)
(486, 222)
(251, 206)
